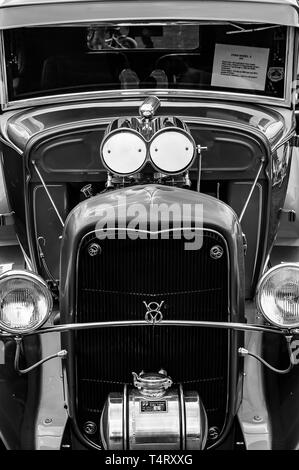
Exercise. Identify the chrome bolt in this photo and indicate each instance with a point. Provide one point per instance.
(90, 428)
(257, 419)
(94, 249)
(48, 420)
(214, 433)
(216, 252)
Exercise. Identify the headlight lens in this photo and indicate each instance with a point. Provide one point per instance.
(124, 152)
(25, 301)
(172, 151)
(278, 295)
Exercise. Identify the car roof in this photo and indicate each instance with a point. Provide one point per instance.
(17, 13)
(47, 3)
(13, 3)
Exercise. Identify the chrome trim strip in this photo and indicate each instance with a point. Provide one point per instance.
(141, 94)
(191, 323)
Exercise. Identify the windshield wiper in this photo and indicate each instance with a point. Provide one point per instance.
(240, 29)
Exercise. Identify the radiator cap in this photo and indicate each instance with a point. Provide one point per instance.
(152, 384)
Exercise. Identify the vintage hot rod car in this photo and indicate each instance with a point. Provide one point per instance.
(147, 148)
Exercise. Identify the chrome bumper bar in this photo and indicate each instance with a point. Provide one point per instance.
(182, 323)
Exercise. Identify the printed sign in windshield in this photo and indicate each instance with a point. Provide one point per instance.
(240, 67)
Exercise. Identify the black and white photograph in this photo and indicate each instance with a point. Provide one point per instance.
(149, 228)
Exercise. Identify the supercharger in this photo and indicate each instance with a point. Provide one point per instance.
(153, 414)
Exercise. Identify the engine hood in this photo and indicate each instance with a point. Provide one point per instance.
(85, 218)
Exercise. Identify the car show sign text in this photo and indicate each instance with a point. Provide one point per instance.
(240, 67)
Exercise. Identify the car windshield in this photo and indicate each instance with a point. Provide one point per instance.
(242, 58)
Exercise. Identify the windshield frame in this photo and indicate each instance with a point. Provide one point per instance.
(125, 94)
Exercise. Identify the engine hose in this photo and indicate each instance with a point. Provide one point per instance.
(62, 354)
(244, 352)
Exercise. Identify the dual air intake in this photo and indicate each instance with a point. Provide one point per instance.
(164, 142)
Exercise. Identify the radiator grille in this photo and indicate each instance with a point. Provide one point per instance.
(113, 286)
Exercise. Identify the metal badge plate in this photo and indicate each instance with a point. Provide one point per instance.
(159, 406)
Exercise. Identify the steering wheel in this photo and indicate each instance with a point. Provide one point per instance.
(121, 42)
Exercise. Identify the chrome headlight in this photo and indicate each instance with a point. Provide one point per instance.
(277, 295)
(25, 301)
(172, 150)
(123, 152)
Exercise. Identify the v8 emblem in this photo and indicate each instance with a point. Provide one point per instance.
(153, 314)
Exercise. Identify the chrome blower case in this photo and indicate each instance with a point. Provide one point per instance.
(153, 414)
